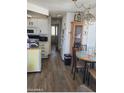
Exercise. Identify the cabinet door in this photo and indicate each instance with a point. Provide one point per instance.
(32, 22)
(42, 26)
(34, 60)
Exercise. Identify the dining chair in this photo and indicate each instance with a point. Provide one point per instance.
(91, 77)
(76, 64)
(84, 47)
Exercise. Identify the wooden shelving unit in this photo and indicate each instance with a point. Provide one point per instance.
(76, 34)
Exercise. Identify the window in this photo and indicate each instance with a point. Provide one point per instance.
(56, 30)
(53, 30)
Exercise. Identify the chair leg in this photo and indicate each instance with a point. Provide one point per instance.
(88, 79)
(77, 70)
(72, 68)
(82, 73)
(74, 74)
(87, 75)
(91, 82)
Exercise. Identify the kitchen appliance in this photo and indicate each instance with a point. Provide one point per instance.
(43, 38)
(32, 31)
(33, 43)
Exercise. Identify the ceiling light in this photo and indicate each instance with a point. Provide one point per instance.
(90, 18)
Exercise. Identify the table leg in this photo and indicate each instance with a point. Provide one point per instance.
(84, 76)
(93, 65)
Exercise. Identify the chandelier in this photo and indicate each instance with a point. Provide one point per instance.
(77, 4)
(90, 18)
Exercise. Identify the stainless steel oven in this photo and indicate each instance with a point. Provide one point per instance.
(43, 38)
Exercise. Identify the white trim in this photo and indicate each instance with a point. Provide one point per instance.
(35, 8)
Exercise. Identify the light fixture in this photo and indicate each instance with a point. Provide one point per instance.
(90, 18)
(77, 4)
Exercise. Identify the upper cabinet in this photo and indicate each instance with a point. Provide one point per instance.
(31, 22)
(40, 24)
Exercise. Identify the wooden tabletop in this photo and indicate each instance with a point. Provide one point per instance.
(83, 55)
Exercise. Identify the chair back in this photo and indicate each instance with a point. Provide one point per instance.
(84, 47)
(74, 54)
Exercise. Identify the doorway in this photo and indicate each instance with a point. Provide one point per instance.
(54, 35)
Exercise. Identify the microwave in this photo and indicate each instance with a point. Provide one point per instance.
(31, 31)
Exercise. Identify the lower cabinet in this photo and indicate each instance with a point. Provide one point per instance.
(44, 49)
(34, 60)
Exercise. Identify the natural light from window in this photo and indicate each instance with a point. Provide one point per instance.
(53, 30)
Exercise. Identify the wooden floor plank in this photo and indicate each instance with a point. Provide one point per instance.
(55, 76)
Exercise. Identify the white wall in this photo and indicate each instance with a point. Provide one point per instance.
(85, 34)
(63, 36)
(49, 32)
(67, 19)
(89, 35)
(91, 40)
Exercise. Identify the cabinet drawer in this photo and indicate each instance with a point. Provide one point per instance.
(43, 54)
(42, 48)
(42, 44)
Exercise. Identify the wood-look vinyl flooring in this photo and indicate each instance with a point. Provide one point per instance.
(55, 76)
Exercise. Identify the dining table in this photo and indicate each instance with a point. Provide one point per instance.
(86, 57)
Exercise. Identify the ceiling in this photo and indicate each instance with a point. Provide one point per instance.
(60, 7)
(35, 14)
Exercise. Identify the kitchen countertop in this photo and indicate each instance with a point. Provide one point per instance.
(33, 48)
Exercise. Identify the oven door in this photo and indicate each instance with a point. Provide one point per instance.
(43, 38)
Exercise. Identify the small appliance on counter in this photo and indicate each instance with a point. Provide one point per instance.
(32, 31)
(32, 43)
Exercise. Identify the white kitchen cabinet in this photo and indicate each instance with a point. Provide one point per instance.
(44, 49)
(42, 24)
(34, 60)
(32, 22)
